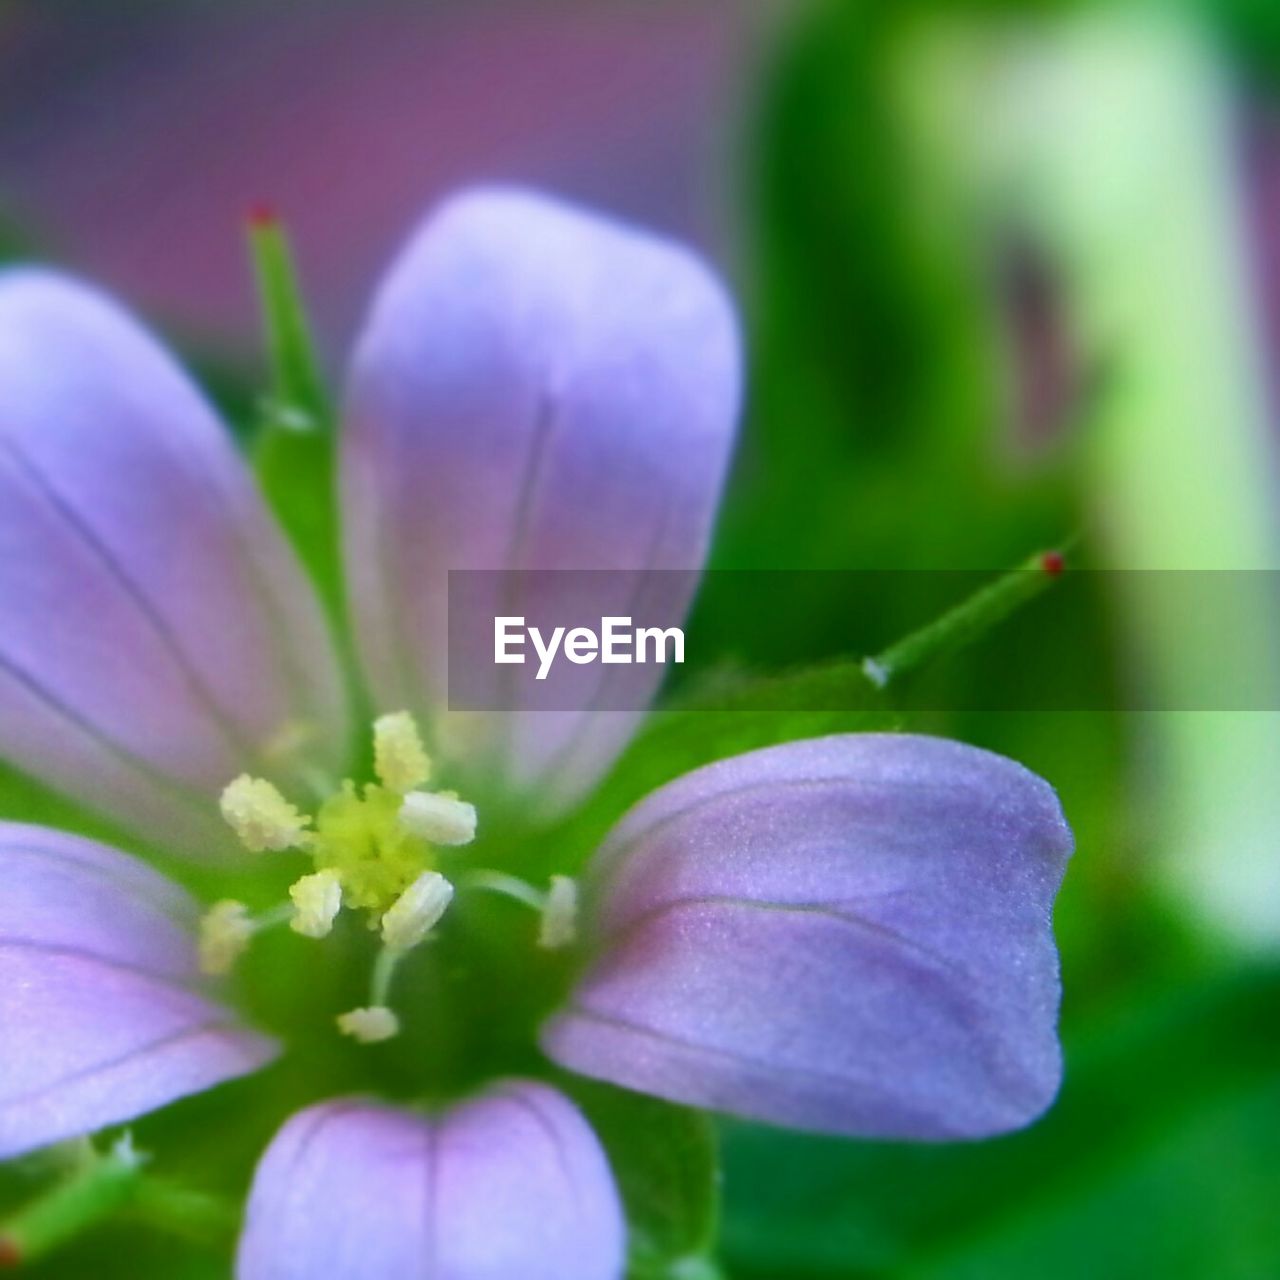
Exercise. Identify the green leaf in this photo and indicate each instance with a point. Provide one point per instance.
(664, 1158)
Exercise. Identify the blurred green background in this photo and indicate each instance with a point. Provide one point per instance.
(1010, 274)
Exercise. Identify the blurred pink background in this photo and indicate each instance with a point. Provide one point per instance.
(135, 139)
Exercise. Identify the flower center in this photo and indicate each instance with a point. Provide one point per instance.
(360, 838)
(375, 849)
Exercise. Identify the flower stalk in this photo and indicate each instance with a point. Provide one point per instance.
(95, 1189)
(99, 1186)
(966, 622)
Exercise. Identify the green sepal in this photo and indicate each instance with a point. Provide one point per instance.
(294, 447)
(298, 401)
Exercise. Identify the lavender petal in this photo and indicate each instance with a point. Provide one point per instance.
(512, 1183)
(157, 636)
(850, 934)
(536, 387)
(101, 1013)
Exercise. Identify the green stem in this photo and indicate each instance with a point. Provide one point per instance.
(93, 1191)
(967, 621)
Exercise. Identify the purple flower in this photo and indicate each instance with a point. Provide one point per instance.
(849, 934)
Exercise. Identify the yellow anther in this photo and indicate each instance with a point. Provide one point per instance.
(559, 914)
(399, 759)
(439, 817)
(317, 899)
(261, 817)
(225, 932)
(369, 1025)
(416, 911)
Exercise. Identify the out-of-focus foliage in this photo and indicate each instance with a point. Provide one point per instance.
(882, 434)
(1154, 1161)
(666, 1161)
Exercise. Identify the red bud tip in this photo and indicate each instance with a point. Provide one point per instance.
(10, 1254)
(1052, 563)
(260, 214)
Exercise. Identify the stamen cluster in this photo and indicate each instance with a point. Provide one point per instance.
(374, 848)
